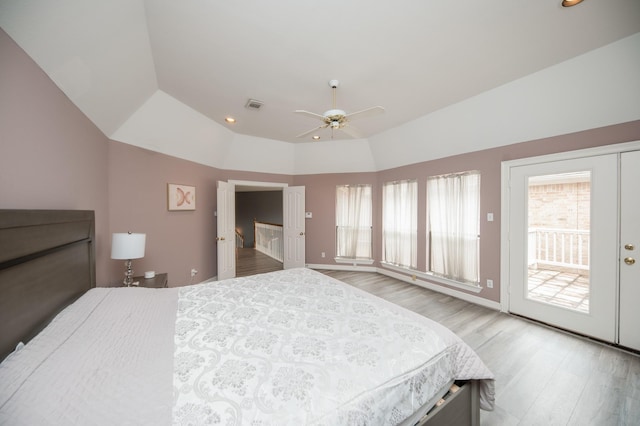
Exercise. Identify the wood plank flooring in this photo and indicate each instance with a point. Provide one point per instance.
(543, 376)
(250, 261)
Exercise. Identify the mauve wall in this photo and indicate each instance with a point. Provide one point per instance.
(176, 240)
(320, 194)
(51, 155)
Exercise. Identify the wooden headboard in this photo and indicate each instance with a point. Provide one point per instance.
(46, 262)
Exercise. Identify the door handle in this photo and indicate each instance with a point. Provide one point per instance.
(219, 238)
(302, 233)
(629, 260)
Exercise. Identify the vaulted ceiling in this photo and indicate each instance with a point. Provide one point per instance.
(411, 57)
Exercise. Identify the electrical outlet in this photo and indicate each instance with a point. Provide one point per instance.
(194, 272)
(322, 254)
(489, 283)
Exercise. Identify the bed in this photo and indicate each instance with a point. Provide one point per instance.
(289, 347)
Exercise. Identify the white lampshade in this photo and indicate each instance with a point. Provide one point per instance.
(127, 246)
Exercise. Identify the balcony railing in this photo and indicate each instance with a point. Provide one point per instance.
(569, 248)
(269, 239)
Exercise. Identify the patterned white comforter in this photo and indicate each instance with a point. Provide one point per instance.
(292, 347)
(298, 347)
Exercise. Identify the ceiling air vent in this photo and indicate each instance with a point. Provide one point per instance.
(253, 104)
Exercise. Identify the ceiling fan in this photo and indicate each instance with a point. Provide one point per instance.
(337, 119)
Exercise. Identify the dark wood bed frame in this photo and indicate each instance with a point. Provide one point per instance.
(47, 261)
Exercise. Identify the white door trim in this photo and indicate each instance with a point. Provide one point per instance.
(260, 184)
(505, 199)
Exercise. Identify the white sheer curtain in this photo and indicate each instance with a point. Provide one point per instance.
(353, 221)
(400, 223)
(453, 209)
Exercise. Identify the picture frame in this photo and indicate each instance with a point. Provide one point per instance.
(181, 197)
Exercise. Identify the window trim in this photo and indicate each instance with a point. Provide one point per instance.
(355, 260)
(414, 234)
(428, 231)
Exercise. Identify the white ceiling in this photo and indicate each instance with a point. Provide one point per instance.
(411, 57)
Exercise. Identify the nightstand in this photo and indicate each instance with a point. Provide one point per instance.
(159, 281)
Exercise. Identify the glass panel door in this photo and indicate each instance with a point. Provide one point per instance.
(559, 239)
(563, 244)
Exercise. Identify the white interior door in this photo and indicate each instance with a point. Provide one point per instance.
(294, 226)
(226, 218)
(630, 250)
(563, 253)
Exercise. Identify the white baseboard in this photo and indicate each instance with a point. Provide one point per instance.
(441, 289)
(343, 267)
(422, 283)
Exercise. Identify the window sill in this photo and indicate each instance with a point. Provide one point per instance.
(354, 262)
(433, 278)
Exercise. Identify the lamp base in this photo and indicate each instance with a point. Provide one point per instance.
(128, 274)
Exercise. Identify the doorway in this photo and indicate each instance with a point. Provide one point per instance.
(293, 202)
(259, 219)
(568, 220)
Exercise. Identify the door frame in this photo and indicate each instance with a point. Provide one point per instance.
(278, 186)
(505, 200)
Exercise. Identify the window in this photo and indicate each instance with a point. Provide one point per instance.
(353, 221)
(400, 223)
(453, 226)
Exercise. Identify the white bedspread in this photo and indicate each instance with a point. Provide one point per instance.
(105, 360)
(293, 347)
(298, 347)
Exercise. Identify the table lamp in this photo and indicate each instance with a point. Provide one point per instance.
(127, 246)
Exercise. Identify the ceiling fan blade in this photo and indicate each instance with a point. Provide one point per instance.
(365, 113)
(301, 135)
(310, 114)
(351, 131)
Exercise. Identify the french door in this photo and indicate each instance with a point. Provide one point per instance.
(293, 198)
(226, 224)
(294, 228)
(630, 250)
(563, 242)
(571, 240)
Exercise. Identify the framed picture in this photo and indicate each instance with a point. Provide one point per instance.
(181, 197)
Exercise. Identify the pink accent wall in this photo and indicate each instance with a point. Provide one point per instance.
(51, 155)
(320, 194)
(176, 240)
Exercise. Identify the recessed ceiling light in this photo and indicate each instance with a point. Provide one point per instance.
(569, 3)
(316, 138)
(230, 120)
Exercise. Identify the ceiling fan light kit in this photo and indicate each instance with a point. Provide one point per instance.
(338, 119)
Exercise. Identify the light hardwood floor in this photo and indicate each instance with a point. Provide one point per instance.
(543, 376)
(250, 261)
